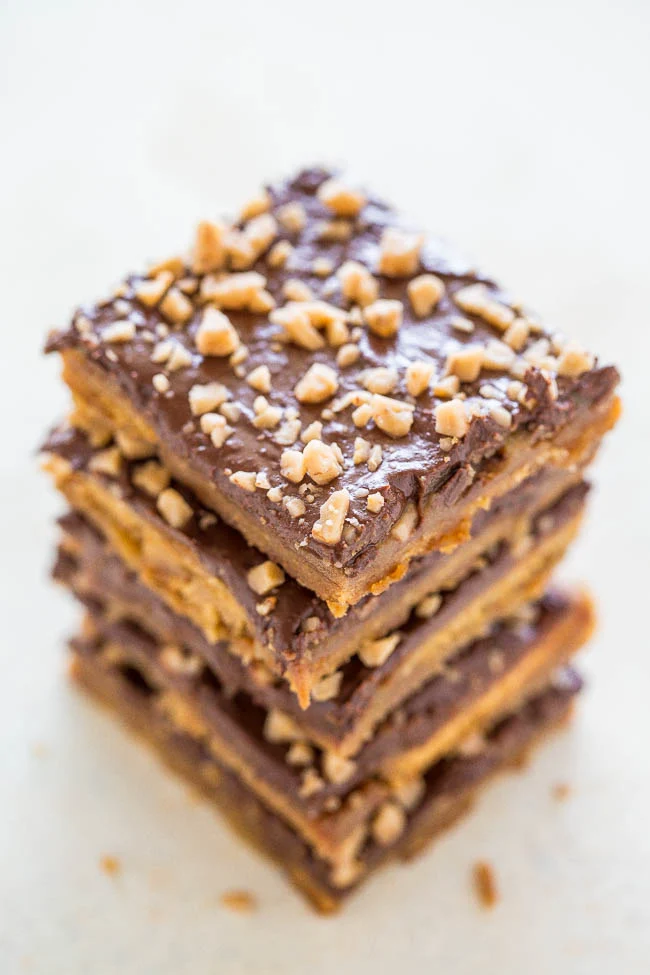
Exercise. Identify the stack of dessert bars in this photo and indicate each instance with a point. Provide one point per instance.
(319, 472)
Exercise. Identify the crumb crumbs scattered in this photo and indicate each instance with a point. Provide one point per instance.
(561, 791)
(241, 901)
(485, 884)
(110, 865)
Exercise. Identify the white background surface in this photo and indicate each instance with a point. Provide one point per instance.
(521, 131)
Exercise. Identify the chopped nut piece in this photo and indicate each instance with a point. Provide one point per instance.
(267, 416)
(214, 426)
(497, 355)
(133, 447)
(357, 283)
(334, 230)
(375, 502)
(329, 527)
(216, 334)
(322, 267)
(346, 873)
(451, 419)
(418, 376)
(321, 463)
(406, 523)
(279, 254)
(209, 248)
(477, 300)
(295, 506)
(410, 792)
(174, 508)
(174, 265)
(447, 388)
(176, 307)
(338, 770)
(380, 380)
(207, 397)
(517, 334)
(399, 253)
(280, 727)
(424, 293)
(311, 783)
(465, 363)
(384, 317)
(296, 290)
(328, 687)
(428, 606)
(179, 357)
(500, 415)
(375, 457)
(341, 199)
(260, 379)
(347, 355)
(160, 383)
(362, 415)
(313, 432)
(265, 577)
(361, 451)
(107, 461)
(236, 292)
(151, 477)
(118, 332)
(574, 361)
(388, 824)
(318, 384)
(150, 292)
(296, 322)
(300, 753)
(392, 415)
(245, 246)
(260, 203)
(462, 324)
(180, 662)
(244, 479)
(292, 465)
(292, 217)
(376, 652)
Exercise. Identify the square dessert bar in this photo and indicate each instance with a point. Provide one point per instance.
(229, 594)
(345, 815)
(341, 390)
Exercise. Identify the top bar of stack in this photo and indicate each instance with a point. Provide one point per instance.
(340, 389)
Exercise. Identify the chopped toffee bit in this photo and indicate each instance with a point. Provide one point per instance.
(376, 652)
(329, 527)
(485, 884)
(110, 865)
(176, 307)
(424, 293)
(392, 416)
(477, 300)
(384, 317)
(357, 283)
(319, 383)
(265, 577)
(174, 508)
(429, 606)
(399, 255)
(119, 332)
(151, 477)
(160, 383)
(216, 334)
(341, 199)
(280, 727)
(209, 252)
(149, 292)
(260, 203)
(244, 479)
(418, 377)
(204, 399)
(300, 753)
(328, 687)
(375, 502)
(260, 379)
(451, 419)
(338, 770)
(240, 901)
(311, 783)
(321, 462)
(107, 461)
(389, 824)
(465, 363)
(292, 217)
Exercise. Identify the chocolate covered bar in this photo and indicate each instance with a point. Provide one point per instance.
(341, 390)
(319, 473)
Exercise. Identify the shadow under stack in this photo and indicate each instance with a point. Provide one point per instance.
(319, 473)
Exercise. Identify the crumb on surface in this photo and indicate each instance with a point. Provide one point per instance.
(241, 901)
(110, 865)
(485, 883)
(561, 791)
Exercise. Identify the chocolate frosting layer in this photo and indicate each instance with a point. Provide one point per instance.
(414, 466)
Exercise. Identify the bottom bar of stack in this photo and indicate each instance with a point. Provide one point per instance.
(328, 820)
